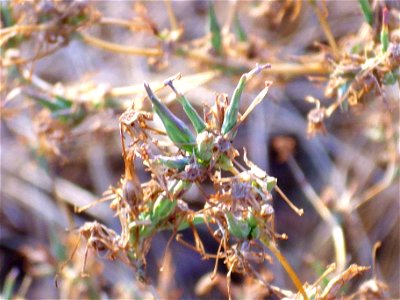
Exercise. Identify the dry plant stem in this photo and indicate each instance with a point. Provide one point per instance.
(188, 82)
(285, 264)
(231, 14)
(278, 68)
(25, 285)
(131, 24)
(297, 210)
(326, 29)
(23, 61)
(117, 48)
(324, 212)
(23, 29)
(171, 15)
(375, 248)
(390, 173)
(380, 186)
(329, 269)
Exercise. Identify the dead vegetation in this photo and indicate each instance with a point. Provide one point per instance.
(268, 192)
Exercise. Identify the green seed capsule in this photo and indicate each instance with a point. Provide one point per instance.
(271, 183)
(224, 163)
(162, 208)
(177, 163)
(204, 142)
(177, 131)
(237, 227)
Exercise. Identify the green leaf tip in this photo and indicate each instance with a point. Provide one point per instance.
(231, 115)
(189, 110)
(176, 129)
(215, 30)
(367, 11)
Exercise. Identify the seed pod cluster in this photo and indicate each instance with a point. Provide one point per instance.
(237, 211)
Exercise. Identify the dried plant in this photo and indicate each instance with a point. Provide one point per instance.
(56, 119)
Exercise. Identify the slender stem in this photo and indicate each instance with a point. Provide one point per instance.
(119, 48)
(324, 212)
(242, 66)
(297, 210)
(325, 27)
(231, 15)
(285, 264)
(130, 24)
(390, 171)
(23, 28)
(171, 15)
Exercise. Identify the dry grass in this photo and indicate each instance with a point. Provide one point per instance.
(197, 212)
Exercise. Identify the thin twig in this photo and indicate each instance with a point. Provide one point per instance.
(324, 212)
(326, 28)
(117, 48)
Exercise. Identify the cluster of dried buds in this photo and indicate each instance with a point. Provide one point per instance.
(238, 213)
(369, 67)
(49, 23)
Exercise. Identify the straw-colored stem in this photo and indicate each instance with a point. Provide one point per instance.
(93, 41)
(324, 212)
(287, 69)
(171, 15)
(285, 264)
(129, 24)
(23, 29)
(326, 28)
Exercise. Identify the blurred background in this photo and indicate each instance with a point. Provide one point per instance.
(56, 158)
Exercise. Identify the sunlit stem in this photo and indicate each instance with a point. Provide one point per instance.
(285, 264)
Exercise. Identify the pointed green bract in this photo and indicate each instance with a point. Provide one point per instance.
(385, 31)
(240, 33)
(367, 11)
(216, 37)
(232, 112)
(59, 103)
(177, 131)
(192, 114)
